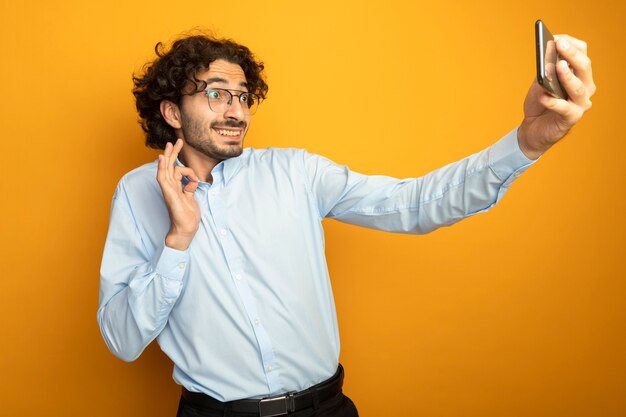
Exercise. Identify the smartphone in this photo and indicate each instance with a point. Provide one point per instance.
(547, 59)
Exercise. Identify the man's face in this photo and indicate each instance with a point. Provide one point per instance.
(216, 135)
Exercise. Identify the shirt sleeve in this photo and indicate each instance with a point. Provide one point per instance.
(417, 205)
(139, 285)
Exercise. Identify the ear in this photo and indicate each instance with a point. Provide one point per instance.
(171, 113)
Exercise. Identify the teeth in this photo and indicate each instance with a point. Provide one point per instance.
(228, 132)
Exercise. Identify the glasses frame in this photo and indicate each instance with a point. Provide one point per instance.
(232, 95)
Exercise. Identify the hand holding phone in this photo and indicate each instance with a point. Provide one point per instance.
(548, 117)
(547, 59)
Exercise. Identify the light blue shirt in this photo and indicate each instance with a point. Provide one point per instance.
(247, 310)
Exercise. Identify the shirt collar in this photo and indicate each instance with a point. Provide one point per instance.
(233, 165)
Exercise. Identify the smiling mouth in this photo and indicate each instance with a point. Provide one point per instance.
(229, 133)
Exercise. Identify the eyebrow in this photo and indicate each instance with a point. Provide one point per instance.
(224, 81)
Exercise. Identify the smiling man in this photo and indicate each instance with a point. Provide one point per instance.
(217, 251)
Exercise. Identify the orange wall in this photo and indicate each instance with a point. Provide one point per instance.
(518, 312)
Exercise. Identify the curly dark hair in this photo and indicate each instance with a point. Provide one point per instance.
(173, 74)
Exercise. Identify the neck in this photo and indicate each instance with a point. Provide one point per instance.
(201, 164)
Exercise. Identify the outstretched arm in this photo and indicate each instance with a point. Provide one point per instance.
(472, 185)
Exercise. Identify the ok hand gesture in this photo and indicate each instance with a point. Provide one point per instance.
(180, 201)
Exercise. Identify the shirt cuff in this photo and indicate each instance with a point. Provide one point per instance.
(170, 263)
(507, 160)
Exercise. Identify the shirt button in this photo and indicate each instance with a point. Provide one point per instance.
(238, 277)
(257, 322)
(269, 368)
(181, 265)
(223, 232)
(170, 302)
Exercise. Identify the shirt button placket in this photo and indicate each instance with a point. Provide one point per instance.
(224, 235)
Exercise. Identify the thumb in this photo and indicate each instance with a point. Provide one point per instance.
(192, 185)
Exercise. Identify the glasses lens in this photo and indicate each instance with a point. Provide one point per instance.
(251, 101)
(220, 100)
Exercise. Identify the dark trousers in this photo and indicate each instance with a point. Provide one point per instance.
(338, 406)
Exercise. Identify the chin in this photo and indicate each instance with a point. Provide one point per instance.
(231, 151)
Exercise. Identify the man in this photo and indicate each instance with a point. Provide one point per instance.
(218, 251)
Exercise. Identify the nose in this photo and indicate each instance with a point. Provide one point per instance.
(236, 110)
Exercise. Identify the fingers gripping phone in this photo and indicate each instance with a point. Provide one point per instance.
(547, 59)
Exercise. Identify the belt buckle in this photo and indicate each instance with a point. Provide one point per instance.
(277, 406)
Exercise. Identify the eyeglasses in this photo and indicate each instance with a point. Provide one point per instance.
(221, 99)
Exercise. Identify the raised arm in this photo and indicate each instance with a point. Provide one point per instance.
(466, 187)
(142, 273)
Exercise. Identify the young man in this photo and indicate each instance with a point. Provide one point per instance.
(218, 251)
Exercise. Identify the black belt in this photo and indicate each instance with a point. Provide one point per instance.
(272, 406)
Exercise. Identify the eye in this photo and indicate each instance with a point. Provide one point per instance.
(244, 98)
(213, 94)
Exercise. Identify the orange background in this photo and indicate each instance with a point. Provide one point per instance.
(518, 312)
